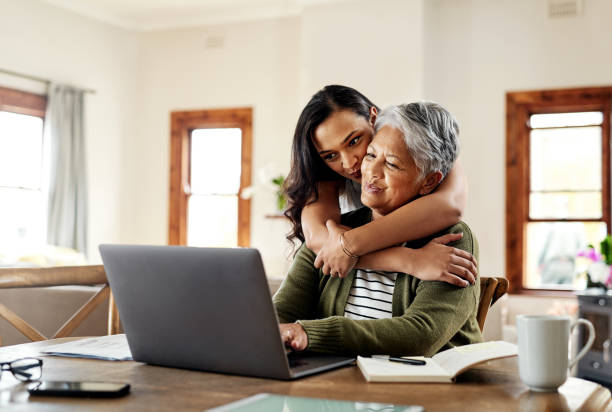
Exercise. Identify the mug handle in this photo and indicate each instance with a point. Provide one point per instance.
(589, 343)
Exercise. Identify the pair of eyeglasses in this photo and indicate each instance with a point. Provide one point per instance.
(26, 369)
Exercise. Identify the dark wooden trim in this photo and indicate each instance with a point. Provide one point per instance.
(181, 125)
(519, 106)
(179, 180)
(605, 165)
(516, 190)
(21, 102)
(574, 97)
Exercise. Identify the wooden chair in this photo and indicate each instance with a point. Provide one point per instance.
(491, 289)
(59, 276)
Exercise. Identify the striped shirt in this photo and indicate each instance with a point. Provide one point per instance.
(371, 295)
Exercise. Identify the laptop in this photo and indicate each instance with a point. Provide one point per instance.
(207, 309)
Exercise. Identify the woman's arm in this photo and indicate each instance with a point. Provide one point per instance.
(434, 261)
(419, 218)
(317, 213)
(298, 295)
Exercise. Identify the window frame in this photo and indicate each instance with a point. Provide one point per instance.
(17, 101)
(22, 102)
(519, 107)
(182, 124)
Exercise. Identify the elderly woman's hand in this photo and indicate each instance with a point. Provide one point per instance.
(293, 336)
(436, 261)
(331, 258)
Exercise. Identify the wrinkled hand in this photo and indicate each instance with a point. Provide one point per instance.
(436, 261)
(331, 258)
(293, 336)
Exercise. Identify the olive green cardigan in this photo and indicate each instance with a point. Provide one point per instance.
(427, 316)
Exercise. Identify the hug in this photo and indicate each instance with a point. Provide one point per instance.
(372, 311)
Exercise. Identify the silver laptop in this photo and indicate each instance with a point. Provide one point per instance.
(203, 308)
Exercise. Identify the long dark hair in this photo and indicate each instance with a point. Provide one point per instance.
(307, 167)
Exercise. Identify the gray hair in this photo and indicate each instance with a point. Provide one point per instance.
(430, 133)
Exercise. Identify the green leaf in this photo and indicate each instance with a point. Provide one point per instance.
(606, 249)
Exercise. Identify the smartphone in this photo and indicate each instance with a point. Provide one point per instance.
(80, 389)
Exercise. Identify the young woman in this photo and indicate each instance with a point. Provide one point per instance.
(329, 144)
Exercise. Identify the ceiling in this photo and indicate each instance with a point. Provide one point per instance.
(146, 15)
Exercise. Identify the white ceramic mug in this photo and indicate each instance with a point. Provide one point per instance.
(543, 343)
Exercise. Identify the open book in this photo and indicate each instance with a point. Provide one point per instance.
(443, 367)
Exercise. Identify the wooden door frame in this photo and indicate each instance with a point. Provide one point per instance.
(182, 123)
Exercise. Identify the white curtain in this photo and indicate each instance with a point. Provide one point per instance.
(67, 185)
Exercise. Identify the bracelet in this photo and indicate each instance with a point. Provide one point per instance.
(345, 249)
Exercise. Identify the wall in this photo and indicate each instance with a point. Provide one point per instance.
(375, 47)
(257, 66)
(476, 51)
(45, 41)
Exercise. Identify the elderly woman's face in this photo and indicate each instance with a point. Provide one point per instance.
(390, 177)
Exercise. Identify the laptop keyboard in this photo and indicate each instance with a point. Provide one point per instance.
(295, 359)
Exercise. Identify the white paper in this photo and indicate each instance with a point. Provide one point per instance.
(112, 348)
(461, 358)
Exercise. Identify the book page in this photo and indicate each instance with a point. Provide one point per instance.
(458, 359)
(381, 370)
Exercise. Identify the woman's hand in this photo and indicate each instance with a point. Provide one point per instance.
(436, 261)
(293, 336)
(331, 258)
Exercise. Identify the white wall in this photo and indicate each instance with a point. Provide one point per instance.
(375, 47)
(48, 42)
(257, 67)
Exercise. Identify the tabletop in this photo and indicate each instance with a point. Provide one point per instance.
(494, 385)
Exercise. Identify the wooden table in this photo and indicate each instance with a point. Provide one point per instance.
(493, 386)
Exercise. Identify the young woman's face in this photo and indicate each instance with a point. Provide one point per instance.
(342, 140)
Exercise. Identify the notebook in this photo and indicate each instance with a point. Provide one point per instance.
(442, 367)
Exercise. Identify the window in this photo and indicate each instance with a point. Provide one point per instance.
(557, 184)
(210, 165)
(23, 218)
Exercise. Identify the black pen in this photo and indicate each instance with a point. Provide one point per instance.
(415, 362)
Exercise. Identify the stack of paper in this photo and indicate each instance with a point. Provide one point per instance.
(112, 347)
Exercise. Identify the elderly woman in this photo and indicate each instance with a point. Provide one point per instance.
(375, 312)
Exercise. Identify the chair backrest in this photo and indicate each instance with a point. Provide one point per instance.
(13, 278)
(491, 289)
